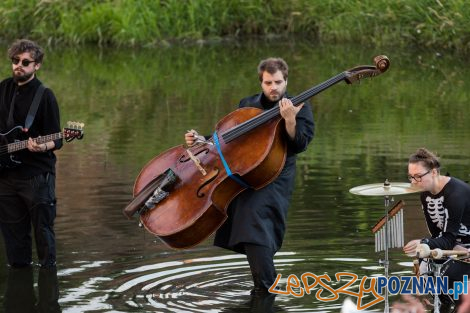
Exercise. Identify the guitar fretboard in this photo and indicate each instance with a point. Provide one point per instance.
(20, 145)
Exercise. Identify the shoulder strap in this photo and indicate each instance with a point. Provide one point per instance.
(34, 106)
(10, 121)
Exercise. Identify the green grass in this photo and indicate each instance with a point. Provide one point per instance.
(421, 23)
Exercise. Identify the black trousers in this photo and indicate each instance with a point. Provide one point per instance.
(261, 263)
(20, 296)
(26, 202)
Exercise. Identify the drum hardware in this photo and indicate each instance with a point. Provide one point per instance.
(391, 222)
(436, 270)
(424, 251)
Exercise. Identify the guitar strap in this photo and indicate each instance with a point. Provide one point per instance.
(10, 121)
(34, 106)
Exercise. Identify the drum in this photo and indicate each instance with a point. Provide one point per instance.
(455, 270)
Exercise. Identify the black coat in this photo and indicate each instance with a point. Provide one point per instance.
(259, 216)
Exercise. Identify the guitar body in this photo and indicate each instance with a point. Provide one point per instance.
(9, 160)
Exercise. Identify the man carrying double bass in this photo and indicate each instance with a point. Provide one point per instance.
(257, 218)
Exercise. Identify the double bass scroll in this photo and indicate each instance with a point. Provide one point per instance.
(195, 203)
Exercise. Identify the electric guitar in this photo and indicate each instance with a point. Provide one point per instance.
(74, 130)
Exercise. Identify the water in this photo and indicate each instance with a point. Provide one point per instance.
(137, 103)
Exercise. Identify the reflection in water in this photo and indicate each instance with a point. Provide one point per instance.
(198, 284)
(263, 303)
(20, 295)
(136, 104)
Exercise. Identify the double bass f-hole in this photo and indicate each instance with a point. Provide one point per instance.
(214, 174)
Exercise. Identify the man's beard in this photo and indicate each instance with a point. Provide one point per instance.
(19, 78)
(274, 97)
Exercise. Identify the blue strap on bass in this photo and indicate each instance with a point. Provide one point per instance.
(235, 177)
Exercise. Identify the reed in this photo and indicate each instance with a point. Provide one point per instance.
(423, 23)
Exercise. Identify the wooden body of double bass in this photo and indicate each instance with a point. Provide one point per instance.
(197, 203)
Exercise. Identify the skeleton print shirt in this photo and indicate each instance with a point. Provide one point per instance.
(448, 214)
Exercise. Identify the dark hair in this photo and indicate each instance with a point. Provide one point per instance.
(429, 159)
(272, 65)
(24, 45)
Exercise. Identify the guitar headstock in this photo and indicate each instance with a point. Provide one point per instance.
(74, 130)
(382, 63)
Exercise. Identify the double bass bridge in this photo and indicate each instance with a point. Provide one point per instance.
(197, 162)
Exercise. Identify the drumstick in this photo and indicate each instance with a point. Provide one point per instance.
(423, 251)
(439, 254)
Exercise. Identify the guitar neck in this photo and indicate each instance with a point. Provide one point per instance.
(23, 144)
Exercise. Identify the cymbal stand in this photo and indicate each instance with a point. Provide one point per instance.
(393, 220)
(436, 267)
(386, 261)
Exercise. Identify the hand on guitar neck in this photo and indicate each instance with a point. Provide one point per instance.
(34, 146)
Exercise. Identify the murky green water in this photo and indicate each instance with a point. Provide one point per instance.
(137, 103)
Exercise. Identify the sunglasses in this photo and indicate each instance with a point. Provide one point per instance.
(24, 62)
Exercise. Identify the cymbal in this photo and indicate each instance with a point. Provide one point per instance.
(382, 190)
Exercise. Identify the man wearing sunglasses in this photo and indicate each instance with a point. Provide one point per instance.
(27, 178)
(446, 206)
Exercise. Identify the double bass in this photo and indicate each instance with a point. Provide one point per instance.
(182, 194)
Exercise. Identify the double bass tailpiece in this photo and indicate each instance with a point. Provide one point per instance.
(152, 194)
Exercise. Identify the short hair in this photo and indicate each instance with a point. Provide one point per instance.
(24, 45)
(428, 159)
(272, 65)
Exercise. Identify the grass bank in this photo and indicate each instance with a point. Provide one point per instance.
(423, 23)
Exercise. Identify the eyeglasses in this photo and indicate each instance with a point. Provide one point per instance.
(418, 177)
(24, 62)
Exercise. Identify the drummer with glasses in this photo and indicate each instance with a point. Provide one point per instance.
(445, 202)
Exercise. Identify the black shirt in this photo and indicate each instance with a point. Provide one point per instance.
(448, 214)
(46, 122)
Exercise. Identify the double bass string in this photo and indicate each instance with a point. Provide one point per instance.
(317, 89)
(262, 118)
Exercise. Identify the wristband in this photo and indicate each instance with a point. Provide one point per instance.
(425, 241)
